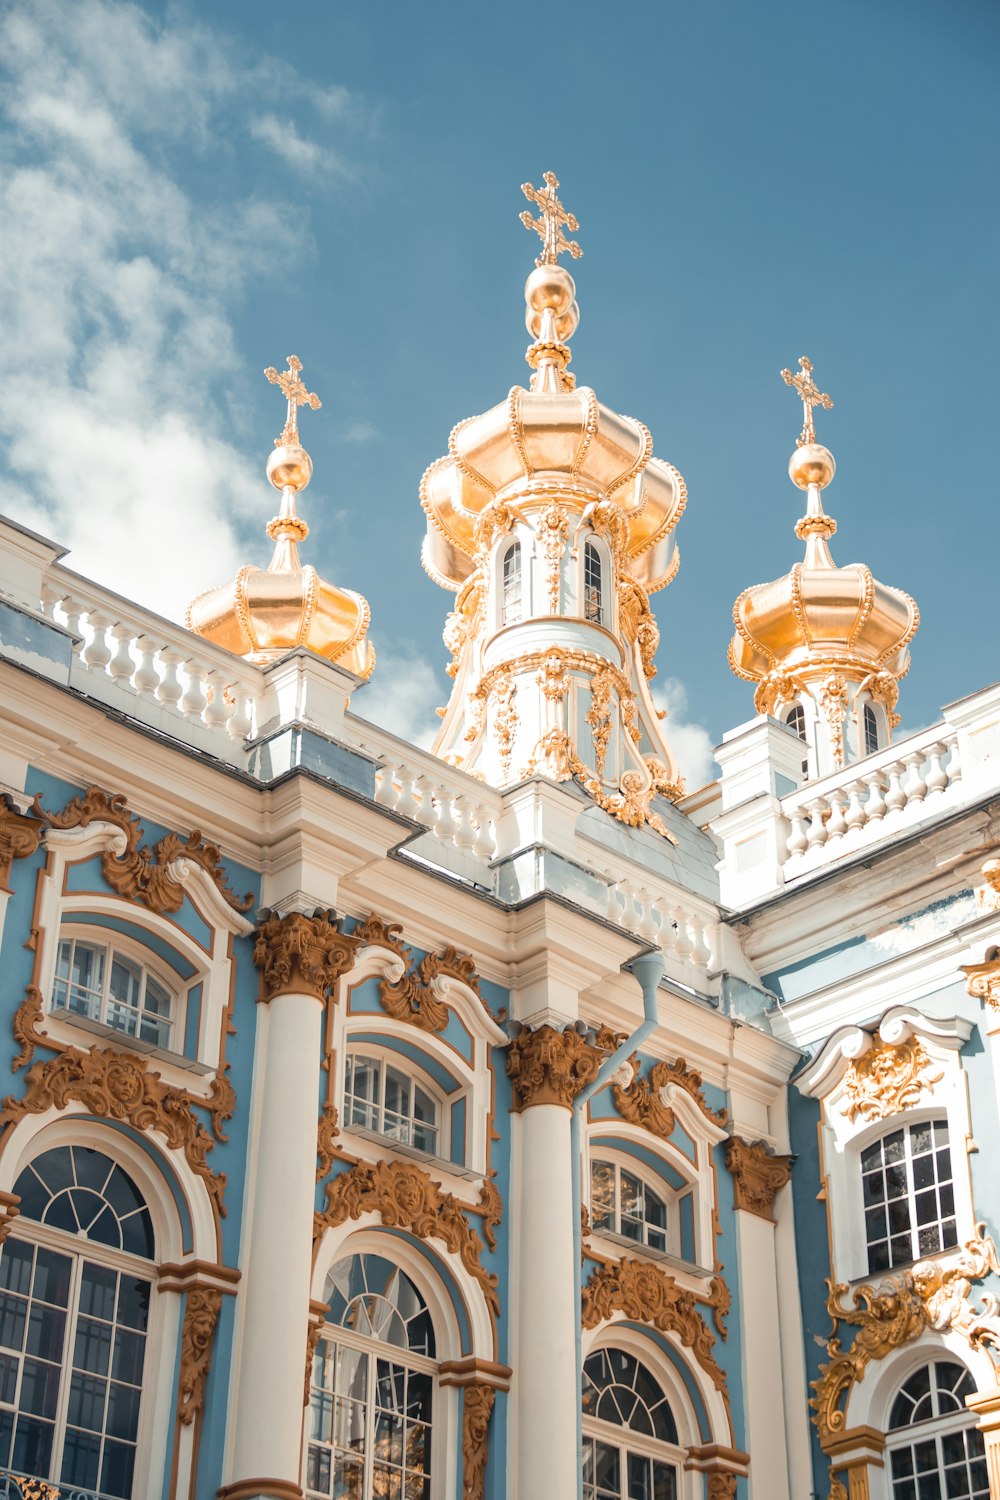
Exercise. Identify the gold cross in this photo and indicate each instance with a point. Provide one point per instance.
(550, 224)
(296, 395)
(811, 396)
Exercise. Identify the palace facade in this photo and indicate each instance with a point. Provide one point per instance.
(502, 1120)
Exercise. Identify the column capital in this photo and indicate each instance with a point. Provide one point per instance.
(757, 1174)
(301, 955)
(547, 1066)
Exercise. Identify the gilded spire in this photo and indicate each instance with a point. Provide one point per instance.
(811, 396)
(293, 389)
(553, 220)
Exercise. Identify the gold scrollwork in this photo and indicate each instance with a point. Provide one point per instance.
(477, 1407)
(888, 1078)
(758, 1173)
(201, 1314)
(297, 954)
(326, 1135)
(20, 836)
(641, 1103)
(547, 1066)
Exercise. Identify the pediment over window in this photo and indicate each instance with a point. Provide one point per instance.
(871, 1072)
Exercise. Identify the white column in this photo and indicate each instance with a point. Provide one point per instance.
(300, 957)
(548, 1068)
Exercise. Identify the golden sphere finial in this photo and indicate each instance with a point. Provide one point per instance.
(289, 467)
(812, 464)
(551, 308)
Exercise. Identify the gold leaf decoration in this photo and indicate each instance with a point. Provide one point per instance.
(201, 1314)
(477, 1406)
(887, 1079)
(20, 836)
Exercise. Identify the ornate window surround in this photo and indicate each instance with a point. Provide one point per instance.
(384, 1053)
(618, 1154)
(525, 537)
(904, 1070)
(213, 966)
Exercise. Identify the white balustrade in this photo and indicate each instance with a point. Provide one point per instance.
(457, 815)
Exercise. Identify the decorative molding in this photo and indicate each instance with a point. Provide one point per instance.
(31, 1489)
(407, 1198)
(642, 1102)
(547, 1066)
(9, 1210)
(300, 955)
(20, 836)
(720, 1301)
(117, 1086)
(888, 1078)
(317, 1317)
(897, 1311)
(136, 871)
(201, 1313)
(644, 1293)
(260, 1489)
(722, 1486)
(326, 1134)
(491, 1207)
(758, 1173)
(26, 1024)
(982, 981)
(477, 1408)
(376, 932)
(413, 998)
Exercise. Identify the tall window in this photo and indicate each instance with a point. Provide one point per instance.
(796, 719)
(629, 1432)
(593, 593)
(105, 984)
(909, 1197)
(934, 1447)
(621, 1202)
(510, 585)
(385, 1099)
(869, 725)
(73, 1324)
(372, 1388)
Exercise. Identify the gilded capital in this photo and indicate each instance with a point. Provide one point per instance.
(301, 955)
(547, 1066)
(757, 1175)
(20, 835)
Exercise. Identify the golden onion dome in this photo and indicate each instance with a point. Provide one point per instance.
(265, 612)
(819, 618)
(554, 440)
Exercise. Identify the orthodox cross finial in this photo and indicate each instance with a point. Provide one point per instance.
(295, 393)
(551, 222)
(811, 396)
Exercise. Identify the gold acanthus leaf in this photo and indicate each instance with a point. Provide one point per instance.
(641, 1103)
(326, 1135)
(477, 1406)
(407, 1198)
(26, 1025)
(412, 999)
(141, 874)
(888, 1078)
(645, 1294)
(491, 1207)
(116, 1086)
(201, 1314)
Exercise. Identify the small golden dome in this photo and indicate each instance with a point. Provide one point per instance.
(819, 618)
(265, 612)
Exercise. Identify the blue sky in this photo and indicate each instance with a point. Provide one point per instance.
(191, 193)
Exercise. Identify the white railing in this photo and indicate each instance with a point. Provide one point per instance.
(871, 800)
(151, 668)
(684, 934)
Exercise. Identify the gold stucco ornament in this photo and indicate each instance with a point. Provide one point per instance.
(266, 612)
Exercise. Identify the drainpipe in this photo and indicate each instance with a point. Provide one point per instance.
(648, 969)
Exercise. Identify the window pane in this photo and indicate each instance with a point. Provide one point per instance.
(39, 1387)
(81, 1459)
(32, 1448)
(15, 1267)
(97, 1292)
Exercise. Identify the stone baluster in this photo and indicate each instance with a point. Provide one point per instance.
(682, 941)
(855, 815)
(241, 720)
(122, 664)
(445, 825)
(798, 841)
(385, 791)
(145, 678)
(895, 797)
(168, 690)
(837, 825)
(937, 776)
(217, 710)
(816, 834)
(483, 844)
(97, 653)
(407, 805)
(631, 914)
(954, 767)
(647, 926)
(701, 953)
(915, 786)
(73, 610)
(465, 834)
(614, 899)
(49, 600)
(193, 701)
(874, 802)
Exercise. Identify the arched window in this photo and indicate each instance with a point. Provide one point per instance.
(629, 1434)
(909, 1197)
(387, 1100)
(869, 723)
(593, 590)
(796, 719)
(510, 585)
(105, 984)
(620, 1201)
(372, 1387)
(933, 1445)
(74, 1322)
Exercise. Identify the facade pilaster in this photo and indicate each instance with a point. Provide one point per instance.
(300, 957)
(986, 1405)
(548, 1069)
(852, 1458)
(758, 1174)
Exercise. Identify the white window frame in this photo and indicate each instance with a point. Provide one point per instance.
(512, 546)
(387, 1057)
(932, 1428)
(114, 943)
(867, 712)
(624, 1438)
(905, 1126)
(607, 620)
(671, 1197)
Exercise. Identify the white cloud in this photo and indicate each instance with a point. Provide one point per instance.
(360, 432)
(402, 695)
(691, 743)
(283, 138)
(118, 287)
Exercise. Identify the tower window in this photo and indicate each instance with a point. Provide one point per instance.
(796, 719)
(511, 584)
(870, 726)
(593, 594)
(909, 1197)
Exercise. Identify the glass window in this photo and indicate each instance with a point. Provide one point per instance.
(593, 594)
(371, 1388)
(72, 1329)
(933, 1446)
(621, 1398)
(511, 585)
(870, 726)
(380, 1097)
(796, 719)
(621, 1202)
(909, 1197)
(106, 985)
